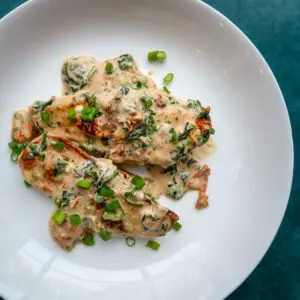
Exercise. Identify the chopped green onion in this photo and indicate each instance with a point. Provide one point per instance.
(85, 184)
(105, 234)
(168, 78)
(59, 217)
(174, 138)
(130, 241)
(89, 113)
(106, 191)
(45, 116)
(72, 114)
(14, 157)
(157, 56)
(109, 68)
(177, 226)
(88, 239)
(166, 90)
(16, 150)
(153, 245)
(27, 184)
(58, 145)
(138, 181)
(57, 202)
(75, 219)
(113, 205)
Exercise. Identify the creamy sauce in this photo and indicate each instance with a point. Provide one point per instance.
(136, 122)
(57, 173)
(161, 179)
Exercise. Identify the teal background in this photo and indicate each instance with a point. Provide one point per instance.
(274, 27)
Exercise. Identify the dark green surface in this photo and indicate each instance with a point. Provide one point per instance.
(274, 27)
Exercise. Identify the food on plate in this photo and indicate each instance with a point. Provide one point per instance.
(92, 195)
(123, 116)
(112, 114)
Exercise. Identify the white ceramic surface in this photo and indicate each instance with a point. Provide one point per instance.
(251, 170)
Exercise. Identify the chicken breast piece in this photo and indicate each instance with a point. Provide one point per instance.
(123, 116)
(92, 195)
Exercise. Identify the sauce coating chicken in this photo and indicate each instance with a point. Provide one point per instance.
(92, 195)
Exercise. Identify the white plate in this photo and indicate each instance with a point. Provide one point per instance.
(251, 170)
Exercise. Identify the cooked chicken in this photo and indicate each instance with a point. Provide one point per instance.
(123, 116)
(92, 195)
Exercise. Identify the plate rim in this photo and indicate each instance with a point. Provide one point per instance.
(290, 146)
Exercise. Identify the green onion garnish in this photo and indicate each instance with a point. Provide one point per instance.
(157, 56)
(57, 202)
(168, 78)
(105, 234)
(72, 114)
(166, 90)
(89, 113)
(113, 205)
(84, 184)
(153, 245)
(45, 116)
(109, 68)
(130, 241)
(27, 184)
(88, 239)
(177, 226)
(75, 219)
(16, 150)
(58, 145)
(14, 157)
(106, 191)
(212, 131)
(59, 217)
(138, 181)
(174, 138)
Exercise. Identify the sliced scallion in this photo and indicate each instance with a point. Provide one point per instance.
(177, 226)
(130, 242)
(109, 68)
(106, 191)
(157, 56)
(138, 182)
(72, 114)
(166, 90)
(59, 217)
(153, 245)
(105, 234)
(84, 184)
(75, 219)
(168, 78)
(88, 239)
(45, 116)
